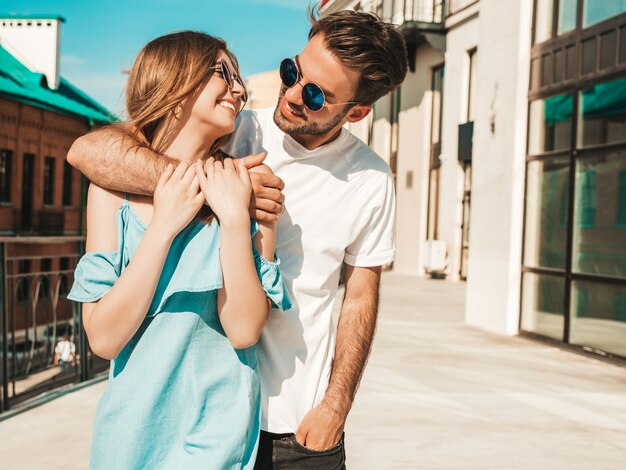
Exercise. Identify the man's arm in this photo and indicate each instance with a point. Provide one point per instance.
(112, 159)
(322, 427)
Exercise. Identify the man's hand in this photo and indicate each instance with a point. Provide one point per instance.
(321, 428)
(267, 198)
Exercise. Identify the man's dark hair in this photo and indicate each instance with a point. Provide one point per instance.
(363, 42)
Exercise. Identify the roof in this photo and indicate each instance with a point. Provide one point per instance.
(18, 83)
(9, 16)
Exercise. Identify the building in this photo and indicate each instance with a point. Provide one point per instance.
(508, 143)
(263, 89)
(41, 201)
(41, 115)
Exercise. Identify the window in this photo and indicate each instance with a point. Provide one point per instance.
(67, 184)
(5, 175)
(595, 11)
(435, 153)
(543, 20)
(586, 204)
(48, 181)
(471, 84)
(23, 286)
(567, 15)
(598, 244)
(602, 114)
(45, 268)
(547, 192)
(543, 301)
(599, 316)
(550, 124)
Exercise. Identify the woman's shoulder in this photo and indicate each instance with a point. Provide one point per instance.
(104, 197)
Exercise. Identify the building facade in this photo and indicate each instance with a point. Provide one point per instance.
(507, 143)
(41, 204)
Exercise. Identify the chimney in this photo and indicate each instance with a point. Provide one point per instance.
(34, 40)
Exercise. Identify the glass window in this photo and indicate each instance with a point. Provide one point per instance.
(595, 11)
(547, 195)
(599, 213)
(472, 84)
(586, 198)
(543, 20)
(567, 15)
(602, 115)
(67, 184)
(550, 124)
(5, 175)
(542, 305)
(48, 181)
(45, 267)
(599, 316)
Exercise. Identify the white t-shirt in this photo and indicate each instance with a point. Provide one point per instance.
(339, 207)
(65, 349)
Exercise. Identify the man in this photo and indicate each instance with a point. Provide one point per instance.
(65, 353)
(339, 208)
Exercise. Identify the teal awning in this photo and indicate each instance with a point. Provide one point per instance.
(18, 83)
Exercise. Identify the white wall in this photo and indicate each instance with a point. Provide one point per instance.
(35, 43)
(498, 165)
(463, 34)
(413, 161)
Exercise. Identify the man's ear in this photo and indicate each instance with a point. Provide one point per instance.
(358, 112)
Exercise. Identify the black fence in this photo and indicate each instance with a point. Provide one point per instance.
(39, 325)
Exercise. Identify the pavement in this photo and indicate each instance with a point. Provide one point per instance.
(436, 394)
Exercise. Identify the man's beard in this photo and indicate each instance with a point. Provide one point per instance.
(305, 128)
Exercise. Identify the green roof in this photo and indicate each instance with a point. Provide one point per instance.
(9, 16)
(17, 83)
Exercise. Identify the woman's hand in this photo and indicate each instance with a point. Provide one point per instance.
(227, 189)
(177, 198)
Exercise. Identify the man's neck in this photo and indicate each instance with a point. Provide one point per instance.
(311, 142)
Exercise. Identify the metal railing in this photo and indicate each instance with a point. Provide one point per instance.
(36, 315)
(424, 11)
(43, 222)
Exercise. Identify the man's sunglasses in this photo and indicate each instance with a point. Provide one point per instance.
(312, 94)
(230, 78)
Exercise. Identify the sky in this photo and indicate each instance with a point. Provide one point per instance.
(101, 38)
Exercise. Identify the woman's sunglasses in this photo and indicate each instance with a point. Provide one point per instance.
(230, 78)
(312, 95)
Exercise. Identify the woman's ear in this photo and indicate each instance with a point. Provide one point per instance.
(358, 112)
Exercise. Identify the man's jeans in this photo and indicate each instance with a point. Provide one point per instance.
(282, 451)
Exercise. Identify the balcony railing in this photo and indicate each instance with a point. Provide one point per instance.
(421, 11)
(43, 222)
(36, 315)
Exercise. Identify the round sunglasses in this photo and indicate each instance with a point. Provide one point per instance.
(230, 78)
(312, 94)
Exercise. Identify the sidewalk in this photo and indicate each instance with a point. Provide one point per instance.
(440, 395)
(436, 395)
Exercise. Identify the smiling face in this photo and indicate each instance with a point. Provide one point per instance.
(318, 65)
(214, 104)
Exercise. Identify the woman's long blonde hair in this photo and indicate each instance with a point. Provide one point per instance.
(167, 71)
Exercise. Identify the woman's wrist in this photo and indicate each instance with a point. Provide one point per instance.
(160, 232)
(235, 222)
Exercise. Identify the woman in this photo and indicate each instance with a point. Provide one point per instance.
(175, 299)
